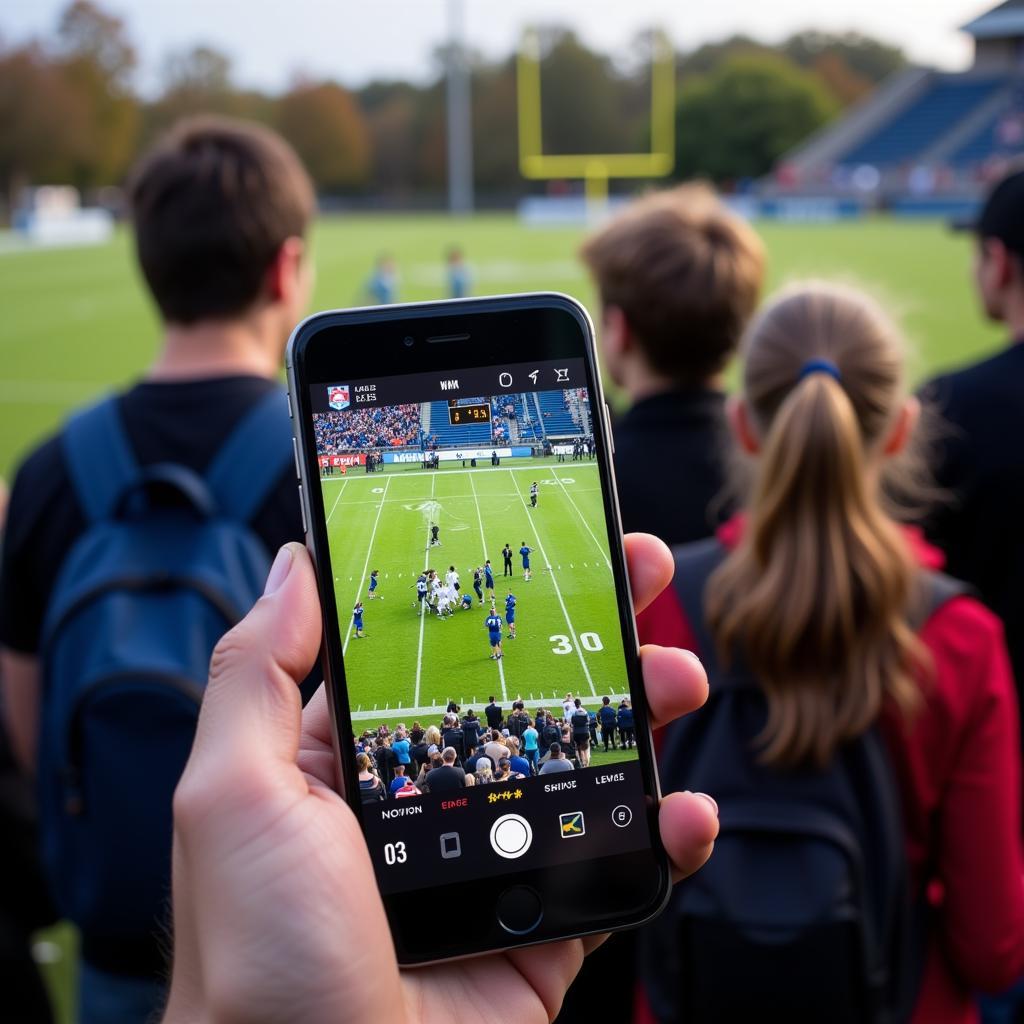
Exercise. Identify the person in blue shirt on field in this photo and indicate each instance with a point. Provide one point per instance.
(458, 274)
(493, 624)
(372, 593)
(510, 615)
(421, 592)
(607, 717)
(467, 602)
(525, 552)
(382, 287)
(489, 580)
(357, 619)
(624, 723)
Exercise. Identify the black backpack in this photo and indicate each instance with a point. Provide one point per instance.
(804, 912)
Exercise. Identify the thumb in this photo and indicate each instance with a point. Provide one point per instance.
(251, 714)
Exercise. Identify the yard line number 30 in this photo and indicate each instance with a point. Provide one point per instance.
(563, 645)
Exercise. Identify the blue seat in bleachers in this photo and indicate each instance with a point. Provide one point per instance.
(475, 435)
(923, 123)
(557, 418)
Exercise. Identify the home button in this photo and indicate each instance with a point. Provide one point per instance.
(519, 910)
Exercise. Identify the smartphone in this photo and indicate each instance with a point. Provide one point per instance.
(480, 648)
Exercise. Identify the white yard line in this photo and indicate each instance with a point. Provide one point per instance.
(583, 520)
(483, 543)
(366, 566)
(336, 500)
(423, 605)
(558, 592)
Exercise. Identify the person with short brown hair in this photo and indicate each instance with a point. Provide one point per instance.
(678, 276)
(220, 210)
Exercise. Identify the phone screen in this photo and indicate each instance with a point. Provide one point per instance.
(481, 627)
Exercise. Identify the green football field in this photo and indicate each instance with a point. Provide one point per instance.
(77, 322)
(408, 666)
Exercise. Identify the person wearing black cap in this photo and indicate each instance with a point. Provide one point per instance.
(979, 457)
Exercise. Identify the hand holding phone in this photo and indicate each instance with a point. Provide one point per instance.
(490, 721)
(276, 910)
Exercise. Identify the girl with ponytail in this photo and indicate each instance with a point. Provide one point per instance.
(827, 604)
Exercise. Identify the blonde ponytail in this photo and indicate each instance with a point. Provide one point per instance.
(816, 597)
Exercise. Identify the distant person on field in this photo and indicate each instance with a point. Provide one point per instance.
(980, 456)
(458, 274)
(382, 287)
(835, 632)
(220, 211)
(678, 276)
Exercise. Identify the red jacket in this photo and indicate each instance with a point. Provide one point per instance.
(959, 772)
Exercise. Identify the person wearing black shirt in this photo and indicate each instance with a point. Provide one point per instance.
(493, 713)
(447, 777)
(978, 459)
(506, 555)
(678, 277)
(219, 211)
(470, 731)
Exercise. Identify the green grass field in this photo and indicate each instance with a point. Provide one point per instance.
(408, 667)
(77, 322)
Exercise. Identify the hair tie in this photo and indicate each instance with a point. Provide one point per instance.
(820, 366)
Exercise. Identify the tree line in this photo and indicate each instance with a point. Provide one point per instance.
(70, 112)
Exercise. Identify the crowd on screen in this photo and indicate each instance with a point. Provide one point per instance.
(390, 426)
(460, 750)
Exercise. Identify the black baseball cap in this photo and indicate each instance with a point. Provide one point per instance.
(1002, 214)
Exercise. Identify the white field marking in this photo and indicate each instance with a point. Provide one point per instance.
(483, 544)
(582, 518)
(366, 566)
(336, 500)
(558, 594)
(441, 709)
(456, 472)
(423, 606)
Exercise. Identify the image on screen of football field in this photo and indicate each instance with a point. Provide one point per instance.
(473, 580)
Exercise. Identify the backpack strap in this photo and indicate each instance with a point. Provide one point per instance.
(99, 458)
(252, 459)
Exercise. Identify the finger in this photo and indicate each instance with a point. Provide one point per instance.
(316, 746)
(689, 827)
(252, 707)
(650, 568)
(675, 683)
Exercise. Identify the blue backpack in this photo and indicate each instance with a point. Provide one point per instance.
(166, 565)
(804, 913)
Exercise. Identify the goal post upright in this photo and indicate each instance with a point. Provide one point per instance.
(595, 169)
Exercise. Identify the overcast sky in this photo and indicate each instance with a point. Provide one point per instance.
(269, 41)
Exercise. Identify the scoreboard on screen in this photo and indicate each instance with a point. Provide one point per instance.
(466, 415)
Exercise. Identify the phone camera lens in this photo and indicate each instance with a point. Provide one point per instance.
(408, 341)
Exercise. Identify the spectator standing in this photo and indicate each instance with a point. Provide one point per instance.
(823, 623)
(979, 528)
(678, 277)
(555, 762)
(220, 210)
(448, 776)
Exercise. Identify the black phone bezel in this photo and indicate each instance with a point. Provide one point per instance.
(371, 342)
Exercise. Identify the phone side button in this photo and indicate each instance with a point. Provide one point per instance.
(298, 465)
(520, 910)
(302, 509)
(291, 415)
(608, 427)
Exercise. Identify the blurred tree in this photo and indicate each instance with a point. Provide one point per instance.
(582, 98)
(327, 129)
(495, 132)
(97, 60)
(738, 120)
(41, 123)
(869, 59)
(198, 81)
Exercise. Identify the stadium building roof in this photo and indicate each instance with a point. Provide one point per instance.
(1002, 22)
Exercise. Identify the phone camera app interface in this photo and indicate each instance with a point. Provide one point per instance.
(479, 621)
